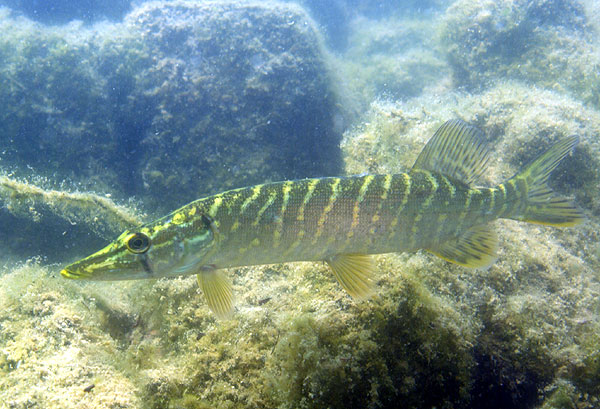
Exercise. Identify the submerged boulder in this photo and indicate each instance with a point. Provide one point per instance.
(239, 95)
(547, 42)
(179, 101)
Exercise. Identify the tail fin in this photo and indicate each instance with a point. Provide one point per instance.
(542, 206)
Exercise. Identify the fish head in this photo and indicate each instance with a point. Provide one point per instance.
(161, 249)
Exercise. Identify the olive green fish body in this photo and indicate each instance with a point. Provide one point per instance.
(341, 220)
(313, 219)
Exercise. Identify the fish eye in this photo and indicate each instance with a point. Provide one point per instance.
(138, 243)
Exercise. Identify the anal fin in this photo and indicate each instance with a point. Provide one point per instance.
(218, 291)
(355, 273)
(475, 248)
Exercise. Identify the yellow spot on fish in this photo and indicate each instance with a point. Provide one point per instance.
(178, 218)
(434, 187)
(215, 206)
(311, 188)
(386, 188)
(192, 211)
(361, 196)
(451, 187)
(394, 222)
(235, 226)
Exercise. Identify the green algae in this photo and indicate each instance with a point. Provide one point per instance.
(52, 348)
(171, 104)
(523, 333)
(85, 218)
(550, 43)
(98, 212)
(400, 347)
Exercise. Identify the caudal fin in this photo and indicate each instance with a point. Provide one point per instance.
(542, 206)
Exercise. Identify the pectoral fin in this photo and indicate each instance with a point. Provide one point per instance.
(355, 272)
(218, 292)
(476, 248)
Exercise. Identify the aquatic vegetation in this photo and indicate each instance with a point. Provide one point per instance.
(53, 348)
(522, 334)
(68, 217)
(97, 212)
(225, 103)
(112, 106)
(545, 42)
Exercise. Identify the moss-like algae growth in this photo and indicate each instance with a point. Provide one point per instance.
(522, 334)
(68, 217)
(546, 42)
(99, 213)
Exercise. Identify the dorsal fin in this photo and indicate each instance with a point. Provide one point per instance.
(457, 149)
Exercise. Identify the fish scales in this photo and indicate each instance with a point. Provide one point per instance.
(341, 220)
(361, 215)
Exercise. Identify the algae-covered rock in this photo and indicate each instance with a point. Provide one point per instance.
(53, 353)
(240, 94)
(546, 42)
(403, 59)
(180, 100)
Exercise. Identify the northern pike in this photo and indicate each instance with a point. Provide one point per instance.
(341, 220)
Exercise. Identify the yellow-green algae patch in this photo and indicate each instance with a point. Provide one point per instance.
(549, 43)
(52, 347)
(292, 343)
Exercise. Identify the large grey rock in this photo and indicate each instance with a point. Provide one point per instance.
(181, 100)
(240, 95)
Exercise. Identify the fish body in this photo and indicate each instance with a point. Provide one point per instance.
(315, 219)
(341, 220)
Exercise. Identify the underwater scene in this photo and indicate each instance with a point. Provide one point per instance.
(300, 204)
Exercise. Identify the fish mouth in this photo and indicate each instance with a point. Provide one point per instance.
(66, 273)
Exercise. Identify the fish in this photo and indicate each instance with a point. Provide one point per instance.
(342, 221)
